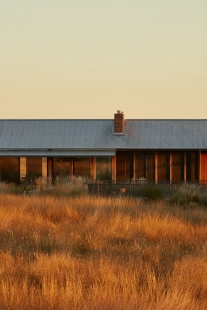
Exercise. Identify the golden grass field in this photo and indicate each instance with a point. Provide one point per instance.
(101, 253)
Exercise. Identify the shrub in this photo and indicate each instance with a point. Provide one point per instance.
(65, 186)
(188, 194)
(151, 192)
(10, 188)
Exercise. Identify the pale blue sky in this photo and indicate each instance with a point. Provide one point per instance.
(86, 59)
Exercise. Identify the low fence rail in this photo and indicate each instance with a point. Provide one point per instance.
(135, 187)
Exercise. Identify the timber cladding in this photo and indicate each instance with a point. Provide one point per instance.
(203, 166)
(160, 166)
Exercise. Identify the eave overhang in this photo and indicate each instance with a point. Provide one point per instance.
(58, 152)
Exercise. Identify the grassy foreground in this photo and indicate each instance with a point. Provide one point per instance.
(101, 253)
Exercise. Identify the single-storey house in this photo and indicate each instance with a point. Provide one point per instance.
(104, 149)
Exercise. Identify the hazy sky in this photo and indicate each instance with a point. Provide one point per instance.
(86, 59)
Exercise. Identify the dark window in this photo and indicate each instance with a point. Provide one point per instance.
(33, 167)
(103, 168)
(61, 166)
(145, 165)
(82, 167)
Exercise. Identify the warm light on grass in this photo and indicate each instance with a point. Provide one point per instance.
(101, 253)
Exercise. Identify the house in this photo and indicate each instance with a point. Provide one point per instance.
(112, 149)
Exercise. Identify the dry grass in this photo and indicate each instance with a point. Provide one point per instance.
(101, 253)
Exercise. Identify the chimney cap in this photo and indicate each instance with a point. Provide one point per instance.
(119, 112)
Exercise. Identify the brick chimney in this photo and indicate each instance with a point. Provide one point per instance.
(119, 122)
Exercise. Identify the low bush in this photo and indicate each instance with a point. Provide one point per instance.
(189, 194)
(62, 186)
(151, 192)
(10, 188)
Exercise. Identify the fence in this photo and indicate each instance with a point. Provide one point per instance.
(136, 187)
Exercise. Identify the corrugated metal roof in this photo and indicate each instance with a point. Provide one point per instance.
(97, 135)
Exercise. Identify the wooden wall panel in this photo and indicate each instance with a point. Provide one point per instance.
(203, 166)
(134, 165)
(10, 169)
(93, 168)
(120, 166)
(124, 165)
(71, 166)
(34, 167)
(161, 171)
(175, 166)
(113, 168)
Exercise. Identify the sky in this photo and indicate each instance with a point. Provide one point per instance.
(74, 59)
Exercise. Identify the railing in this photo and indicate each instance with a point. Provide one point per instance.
(135, 187)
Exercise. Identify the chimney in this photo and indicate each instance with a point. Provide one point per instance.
(119, 122)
